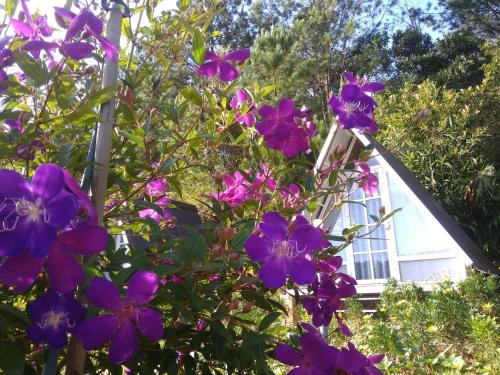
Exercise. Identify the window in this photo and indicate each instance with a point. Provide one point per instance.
(370, 254)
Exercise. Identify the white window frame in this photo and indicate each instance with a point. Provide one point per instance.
(389, 233)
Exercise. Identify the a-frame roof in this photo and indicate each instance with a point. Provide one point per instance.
(353, 141)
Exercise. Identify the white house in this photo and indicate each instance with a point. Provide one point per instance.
(421, 243)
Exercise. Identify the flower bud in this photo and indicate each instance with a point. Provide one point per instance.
(153, 112)
(234, 305)
(89, 69)
(247, 307)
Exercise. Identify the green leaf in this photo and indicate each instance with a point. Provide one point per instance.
(267, 90)
(182, 5)
(149, 11)
(258, 299)
(355, 228)
(13, 311)
(33, 68)
(10, 7)
(198, 47)
(268, 320)
(332, 237)
(192, 95)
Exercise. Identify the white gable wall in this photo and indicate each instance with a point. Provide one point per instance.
(419, 249)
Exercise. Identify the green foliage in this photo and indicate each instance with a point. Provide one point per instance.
(451, 329)
(448, 140)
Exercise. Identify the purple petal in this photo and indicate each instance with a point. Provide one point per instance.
(351, 93)
(56, 338)
(376, 358)
(241, 96)
(287, 355)
(286, 107)
(61, 209)
(373, 87)
(238, 56)
(41, 238)
(83, 198)
(64, 272)
(26, 11)
(249, 119)
(103, 293)
(301, 270)
(257, 247)
(94, 333)
(87, 240)
(308, 238)
(349, 77)
(47, 181)
(21, 28)
(20, 271)
(110, 50)
(93, 22)
(273, 273)
(208, 69)
(77, 50)
(13, 186)
(227, 72)
(142, 286)
(268, 111)
(35, 46)
(209, 56)
(274, 226)
(336, 104)
(150, 323)
(65, 13)
(124, 343)
(76, 25)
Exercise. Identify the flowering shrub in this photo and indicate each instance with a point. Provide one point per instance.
(199, 298)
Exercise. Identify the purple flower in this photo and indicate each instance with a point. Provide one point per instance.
(219, 64)
(291, 196)
(81, 237)
(283, 250)
(315, 358)
(367, 180)
(64, 271)
(328, 292)
(283, 128)
(239, 100)
(35, 31)
(84, 21)
(153, 214)
(354, 109)
(365, 86)
(53, 316)
(156, 188)
(31, 213)
(354, 362)
(127, 315)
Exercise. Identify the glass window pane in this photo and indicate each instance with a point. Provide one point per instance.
(372, 206)
(380, 265)
(362, 267)
(357, 212)
(417, 232)
(377, 239)
(356, 193)
(343, 269)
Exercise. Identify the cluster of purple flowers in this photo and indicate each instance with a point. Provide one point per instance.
(76, 43)
(49, 221)
(157, 189)
(286, 128)
(220, 65)
(355, 105)
(328, 291)
(239, 189)
(317, 357)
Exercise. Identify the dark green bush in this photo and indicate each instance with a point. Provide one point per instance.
(452, 329)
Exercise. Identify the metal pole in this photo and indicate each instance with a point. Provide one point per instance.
(75, 364)
(105, 127)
